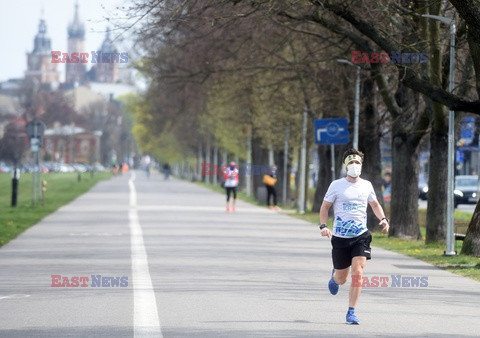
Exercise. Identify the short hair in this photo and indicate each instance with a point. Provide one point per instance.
(352, 151)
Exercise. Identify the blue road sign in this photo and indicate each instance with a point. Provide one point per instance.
(467, 131)
(331, 131)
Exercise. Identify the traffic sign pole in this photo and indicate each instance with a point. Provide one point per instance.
(303, 164)
(332, 160)
(35, 130)
(34, 174)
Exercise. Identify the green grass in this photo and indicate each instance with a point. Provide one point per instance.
(61, 189)
(467, 266)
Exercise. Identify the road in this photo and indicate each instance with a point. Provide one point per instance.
(463, 207)
(194, 270)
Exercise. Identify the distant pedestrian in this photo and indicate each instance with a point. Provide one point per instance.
(166, 171)
(351, 239)
(387, 179)
(269, 180)
(146, 163)
(124, 167)
(231, 183)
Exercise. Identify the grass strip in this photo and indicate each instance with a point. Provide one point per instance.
(62, 188)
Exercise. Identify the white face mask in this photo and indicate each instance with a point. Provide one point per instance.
(354, 170)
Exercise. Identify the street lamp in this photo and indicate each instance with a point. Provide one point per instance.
(450, 249)
(357, 102)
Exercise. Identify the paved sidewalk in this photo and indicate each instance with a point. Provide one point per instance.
(214, 274)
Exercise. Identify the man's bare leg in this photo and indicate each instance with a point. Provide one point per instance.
(340, 276)
(358, 264)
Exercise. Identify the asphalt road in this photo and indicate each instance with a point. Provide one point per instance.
(462, 207)
(194, 270)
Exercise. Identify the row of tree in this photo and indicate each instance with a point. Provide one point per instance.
(226, 72)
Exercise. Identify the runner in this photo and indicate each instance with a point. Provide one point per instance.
(351, 238)
(231, 184)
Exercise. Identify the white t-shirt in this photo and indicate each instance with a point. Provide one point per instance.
(231, 178)
(350, 201)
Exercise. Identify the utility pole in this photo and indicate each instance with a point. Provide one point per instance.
(303, 164)
(285, 166)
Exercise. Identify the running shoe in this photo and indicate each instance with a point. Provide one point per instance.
(352, 319)
(332, 286)
(228, 209)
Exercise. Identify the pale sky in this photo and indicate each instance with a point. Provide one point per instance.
(19, 21)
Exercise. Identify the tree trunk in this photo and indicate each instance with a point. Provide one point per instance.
(471, 243)
(259, 160)
(404, 204)
(437, 211)
(370, 145)
(437, 189)
(324, 177)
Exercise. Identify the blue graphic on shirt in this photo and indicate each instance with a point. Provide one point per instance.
(348, 228)
(350, 206)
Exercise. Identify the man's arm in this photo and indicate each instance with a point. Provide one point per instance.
(378, 211)
(324, 218)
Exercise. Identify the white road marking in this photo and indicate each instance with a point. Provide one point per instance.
(15, 296)
(145, 313)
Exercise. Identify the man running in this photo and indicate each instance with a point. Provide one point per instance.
(351, 238)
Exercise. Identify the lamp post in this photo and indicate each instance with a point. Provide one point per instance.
(357, 102)
(450, 248)
(303, 163)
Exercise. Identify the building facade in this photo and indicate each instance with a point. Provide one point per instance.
(39, 65)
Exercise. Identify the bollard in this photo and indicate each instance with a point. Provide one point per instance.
(44, 190)
(15, 178)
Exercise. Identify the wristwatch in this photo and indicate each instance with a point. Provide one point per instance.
(323, 226)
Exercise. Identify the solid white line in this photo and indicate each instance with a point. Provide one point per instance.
(145, 314)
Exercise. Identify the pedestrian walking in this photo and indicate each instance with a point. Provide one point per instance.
(231, 183)
(146, 163)
(166, 171)
(351, 239)
(269, 180)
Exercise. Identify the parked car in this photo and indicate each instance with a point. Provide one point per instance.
(466, 189)
(422, 187)
(4, 168)
(460, 195)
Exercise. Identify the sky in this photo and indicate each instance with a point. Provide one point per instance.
(19, 21)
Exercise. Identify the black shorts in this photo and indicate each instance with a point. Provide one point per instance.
(230, 190)
(344, 249)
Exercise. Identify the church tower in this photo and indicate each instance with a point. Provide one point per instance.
(76, 72)
(39, 63)
(107, 72)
